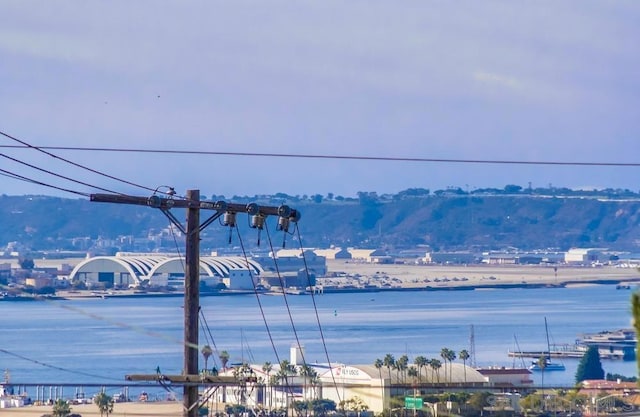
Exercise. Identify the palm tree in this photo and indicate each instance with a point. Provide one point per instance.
(379, 364)
(104, 403)
(306, 372)
(206, 353)
(267, 367)
(224, 359)
(420, 362)
(436, 365)
(61, 408)
(444, 354)
(412, 371)
(286, 370)
(401, 366)
(389, 361)
(542, 363)
(464, 355)
(451, 356)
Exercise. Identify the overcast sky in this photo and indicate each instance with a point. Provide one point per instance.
(480, 80)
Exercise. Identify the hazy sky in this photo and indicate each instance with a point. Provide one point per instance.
(481, 80)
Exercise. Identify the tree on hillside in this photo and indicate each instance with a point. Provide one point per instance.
(27, 263)
(61, 408)
(104, 403)
(590, 366)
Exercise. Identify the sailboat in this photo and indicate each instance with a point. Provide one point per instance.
(548, 365)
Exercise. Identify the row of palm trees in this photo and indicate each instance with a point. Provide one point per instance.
(403, 369)
(400, 366)
(285, 371)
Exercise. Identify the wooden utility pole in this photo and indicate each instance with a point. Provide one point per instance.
(190, 377)
(191, 302)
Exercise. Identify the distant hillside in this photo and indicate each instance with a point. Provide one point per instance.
(445, 221)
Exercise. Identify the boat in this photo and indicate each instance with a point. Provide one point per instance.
(611, 344)
(545, 363)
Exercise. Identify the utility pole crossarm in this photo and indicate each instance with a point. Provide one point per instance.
(156, 201)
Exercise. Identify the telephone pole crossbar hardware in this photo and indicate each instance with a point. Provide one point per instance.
(193, 205)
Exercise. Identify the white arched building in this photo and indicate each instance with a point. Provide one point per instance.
(162, 270)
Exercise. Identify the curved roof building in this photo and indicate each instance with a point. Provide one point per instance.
(155, 269)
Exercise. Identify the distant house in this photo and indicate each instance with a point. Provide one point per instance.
(507, 377)
(597, 386)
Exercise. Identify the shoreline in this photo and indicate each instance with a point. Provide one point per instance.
(352, 277)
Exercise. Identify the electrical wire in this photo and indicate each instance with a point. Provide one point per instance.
(347, 157)
(56, 175)
(315, 307)
(19, 177)
(42, 150)
(288, 386)
(284, 295)
(255, 290)
(57, 368)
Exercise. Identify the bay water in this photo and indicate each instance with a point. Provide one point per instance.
(101, 340)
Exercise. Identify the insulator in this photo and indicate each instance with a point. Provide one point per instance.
(284, 211)
(154, 201)
(283, 224)
(229, 219)
(257, 221)
(295, 216)
(253, 209)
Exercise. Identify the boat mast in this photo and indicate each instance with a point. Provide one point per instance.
(546, 330)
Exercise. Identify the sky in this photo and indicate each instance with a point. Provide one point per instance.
(454, 80)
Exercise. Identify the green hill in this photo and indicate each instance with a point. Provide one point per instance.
(448, 220)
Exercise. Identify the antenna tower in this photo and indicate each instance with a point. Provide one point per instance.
(472, 347)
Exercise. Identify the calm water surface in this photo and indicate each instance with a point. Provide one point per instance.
(101, 340)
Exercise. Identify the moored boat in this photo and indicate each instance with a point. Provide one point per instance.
(544, 363)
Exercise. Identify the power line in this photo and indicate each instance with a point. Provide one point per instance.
(315, 306)
(42, 150)
(46, 171)
(57, 368)
(338, 157)
(19, 177)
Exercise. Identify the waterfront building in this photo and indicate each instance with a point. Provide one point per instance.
(292, 260)
(126, 270)
(583, 256)
(275, 388)
(507, 377)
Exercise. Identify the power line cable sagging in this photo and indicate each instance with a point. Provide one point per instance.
(26, 145)
(327, 156)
